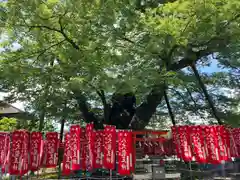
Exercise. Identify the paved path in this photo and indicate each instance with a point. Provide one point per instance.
(147, 176)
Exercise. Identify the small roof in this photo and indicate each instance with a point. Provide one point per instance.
(6, 108)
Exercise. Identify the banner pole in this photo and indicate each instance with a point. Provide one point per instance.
(1, 174)
(110, 174)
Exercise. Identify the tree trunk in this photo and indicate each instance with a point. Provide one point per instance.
(170, 112)
(46, 91)
(41, 119)
(207, 96)
(88, 115)
(63, 121)
(145, 111)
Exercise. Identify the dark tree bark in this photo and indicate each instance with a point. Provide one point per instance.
(142, 114)
(122, 109)
(106, 106)
(88, 115)
(41, 119)
(46, 91)
(145, 111)
(207, 96)
(63, 121)
(139, 117)
(170, 112)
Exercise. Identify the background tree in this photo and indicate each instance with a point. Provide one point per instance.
(8, 124)
(115, 59)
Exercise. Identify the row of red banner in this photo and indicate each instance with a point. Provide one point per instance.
(84, 149)
(89, 149)
(22, 151)
(206, 144)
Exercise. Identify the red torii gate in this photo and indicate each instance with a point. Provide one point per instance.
(149, 135)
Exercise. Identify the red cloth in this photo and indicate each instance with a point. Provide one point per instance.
(212, 144)
(130, 151)
(51, 149)
(83, 152)
(75, 134)
(176, 141)
(109, 149)
(67, 156)
(197, 139)
(6, 152)
(19, 153)
(3, 147)
(235, 142)
(223, 140)
(90, 146)
(98, 149)
(185, 143)
(25, 150)
(35, 150)
(124, 152)
(182, 142)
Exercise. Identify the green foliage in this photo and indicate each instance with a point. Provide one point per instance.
(8, 124)
(51, 48)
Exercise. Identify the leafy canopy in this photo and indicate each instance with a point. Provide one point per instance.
(53, 47)
(8, 124)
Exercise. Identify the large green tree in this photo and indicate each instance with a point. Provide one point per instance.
(119, 59)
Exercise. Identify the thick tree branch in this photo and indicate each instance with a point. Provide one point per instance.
(207, 96)
(43, 106)
(63, 121)
(88, 115)
(38, 53)
(48, 48)
(190, 58)
(56, 30)
(145, 111)
(170, 112)
(191, 97)
(106, 106)
(194, 102)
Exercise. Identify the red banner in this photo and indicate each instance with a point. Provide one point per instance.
(197, 139)
(5, 163)
(185, 144)
(130, 151)
(3, 147)
(51, 149)
(75, 134)
(223, 140)
(35, 150)
(19, 153)
(25, 150)
(98, 149)
(67, 163)
(235, 142)
(109, 148)
(90, 146)
(212, 144)
(124, 152)
(83, 150)
(176, 141)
